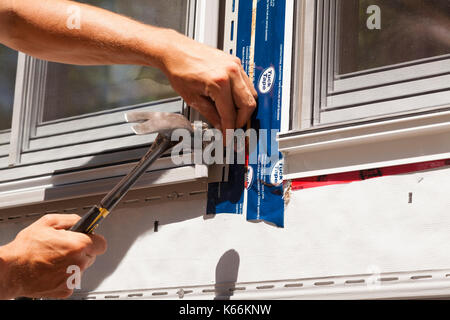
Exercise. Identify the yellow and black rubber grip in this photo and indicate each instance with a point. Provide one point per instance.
(90, 220)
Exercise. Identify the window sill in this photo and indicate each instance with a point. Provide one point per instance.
(93, 182)
(372, 145)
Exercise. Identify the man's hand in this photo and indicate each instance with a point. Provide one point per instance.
(211, 81)
(35, 263)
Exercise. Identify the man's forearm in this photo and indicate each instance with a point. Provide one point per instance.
(209, 80)
(40, 28)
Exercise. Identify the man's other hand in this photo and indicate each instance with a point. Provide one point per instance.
(36, 262)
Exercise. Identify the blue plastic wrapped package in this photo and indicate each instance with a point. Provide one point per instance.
(262, 54)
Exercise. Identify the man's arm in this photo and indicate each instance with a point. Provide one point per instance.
(209, 80)
(35, 264)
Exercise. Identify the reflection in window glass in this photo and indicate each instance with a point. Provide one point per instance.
(410, 30)
(8, 65)
(76, 90)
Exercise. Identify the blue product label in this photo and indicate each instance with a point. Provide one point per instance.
(227, 197)
(265, 194)
(265, 171)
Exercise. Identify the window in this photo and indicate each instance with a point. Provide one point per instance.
(70, 119)
(8, 62)
(74, 90)
(408, 31)
(363, 72)
(373, 74)
(73, 111)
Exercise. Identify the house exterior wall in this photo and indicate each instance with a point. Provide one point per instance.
(365, 239)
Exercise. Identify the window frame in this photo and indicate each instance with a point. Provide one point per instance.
(312, 148)
(395, 73)
(396, 93)
(5, 136)
(29, 168)
(4, 145)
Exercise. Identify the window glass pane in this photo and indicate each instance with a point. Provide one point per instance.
(408, 30)
(76, 90)
(8, 65)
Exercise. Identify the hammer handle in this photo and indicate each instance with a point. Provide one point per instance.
(96, 214)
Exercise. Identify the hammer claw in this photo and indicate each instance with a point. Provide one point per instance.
(157, 122)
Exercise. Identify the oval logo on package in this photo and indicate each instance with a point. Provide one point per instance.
(266, 80)
(276, 176)
(249, 177)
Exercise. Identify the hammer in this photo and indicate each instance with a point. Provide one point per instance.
(164, 124)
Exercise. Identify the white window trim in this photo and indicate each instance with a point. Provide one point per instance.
(397, 73)
(401, 87)
(96, 131)
(4, 150)
(17, 134)
(207, 15)
(370, 142)
(367, 96)
(5, 136)
(35, 179)
(377, 144)
(94, 182)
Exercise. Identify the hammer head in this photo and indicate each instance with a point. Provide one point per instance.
(163, 123)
